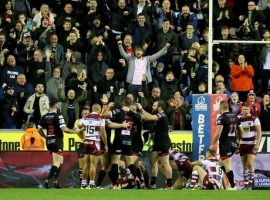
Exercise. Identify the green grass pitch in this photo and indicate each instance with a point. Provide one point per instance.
(77, 194)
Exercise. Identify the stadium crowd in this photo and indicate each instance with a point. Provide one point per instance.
(86, 52)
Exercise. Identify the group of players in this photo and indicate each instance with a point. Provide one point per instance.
(234, 133)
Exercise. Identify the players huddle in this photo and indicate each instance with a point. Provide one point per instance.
(241, 133)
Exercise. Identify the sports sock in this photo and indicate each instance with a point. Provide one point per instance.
(231, 178)
(52, 172)
(101, 176)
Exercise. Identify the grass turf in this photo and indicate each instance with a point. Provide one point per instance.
(77, 194)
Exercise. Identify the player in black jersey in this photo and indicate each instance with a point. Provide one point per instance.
(55, 125)
(228, 129)
(162, 142)
(122, 143)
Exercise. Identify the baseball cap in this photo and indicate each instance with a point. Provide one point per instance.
(251, 92)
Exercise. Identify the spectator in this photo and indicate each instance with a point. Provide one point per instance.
(145, 8)
(255, 105)
(54, 83)
(185, 18)
(44, 12)
(73, 42)
(235, 106)
(222, 16)
(139, 66)
(241, 75)
(177, 110)
(167, 35)
(23, 91)
(10, 71)
(64, 30)
(40, 35)
(9, 106)
(31, 140)
(39, 68)
(67, 14)
(70, 108)
(22, 6)
(164, 12)
(98, 63)
(186, 39)
(141, 32)
(78, 84)
(74, 63)
(221, 89)
(265, 113)
(25, 51)
(37, 104)
(264, 60)
(169, 86)
(57, 51)
(109, 85)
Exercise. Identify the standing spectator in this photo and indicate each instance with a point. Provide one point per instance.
(139, 66)
(23, 91)
(143, 7)
(67, 14)
(54, 125)
(70, 107)
(252, 15)
(37, 104)
(241, 75)
(266, 13)
(44, 12)
(9, 106)
(186, 39)
(25, 51)
(22, 6)
(265, 113)
(109, 85)
(57, 51)
(185, 18)
(39, 68)
(4, 47)
(73, 42)
(264, 60)
(10, 71)
(167, 35)
(141, 32)
(177, 110)
(235, 104)
(255, 105)
(249, 144)
(54, 83)
(222, 16)
(168, 86)
(40, 35)
(164, 12)
(98, 63)
(64, 31)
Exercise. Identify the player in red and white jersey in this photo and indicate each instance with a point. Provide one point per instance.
(249, 143)
(207, 172)
(179, 161)
(95, 143)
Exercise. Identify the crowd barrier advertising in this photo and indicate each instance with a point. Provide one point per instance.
(10, 141)
(205, 110)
